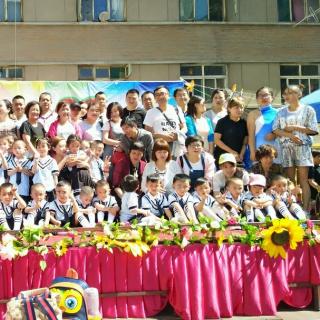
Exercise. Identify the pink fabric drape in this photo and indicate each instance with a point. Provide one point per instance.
(202, 281)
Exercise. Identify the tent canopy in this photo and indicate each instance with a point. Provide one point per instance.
(313, 100)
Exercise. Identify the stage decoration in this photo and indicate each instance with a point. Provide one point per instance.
(282, 232)
(274, 237)
(189, 85)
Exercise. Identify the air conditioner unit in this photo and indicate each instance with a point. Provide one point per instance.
(104, 16)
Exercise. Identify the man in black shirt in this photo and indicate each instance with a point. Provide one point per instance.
(133, 110)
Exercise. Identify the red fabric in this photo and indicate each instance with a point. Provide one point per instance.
(203, 281)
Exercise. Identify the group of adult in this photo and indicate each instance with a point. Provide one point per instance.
(151, 136)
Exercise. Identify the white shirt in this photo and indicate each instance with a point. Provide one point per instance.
(61, 209)
(215, 117)
(109, 201)
(154, 203)
(172, 168)
(64, 130)
(46, 167)
(209, 202)
(115, 128)
(24, 186)
(156, 120)
(129, 201)
(96, 167)
(203, 130)
(8, 209)
(20, 121)
(91, 132)
(173, 197)
(47, 119)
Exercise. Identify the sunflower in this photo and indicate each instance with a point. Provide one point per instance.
(282, 231)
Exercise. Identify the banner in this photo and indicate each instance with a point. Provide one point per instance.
(81, 90)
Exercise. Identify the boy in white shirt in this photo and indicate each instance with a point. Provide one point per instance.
(129, 201)
(11, 205)
(86, 209)
(204, 203)
(64, 209)
(154, 200)
(105, 204)
(37, 210)
(19, 169)
(96, 163)
(181, 201)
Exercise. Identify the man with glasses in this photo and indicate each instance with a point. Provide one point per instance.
(163, 121)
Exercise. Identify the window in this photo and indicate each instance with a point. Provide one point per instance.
(297, 10)
(306, 74)
(103, 72)
(91, 9)
(11, 73)
(10, 11)
(202, 10)
(205, 77)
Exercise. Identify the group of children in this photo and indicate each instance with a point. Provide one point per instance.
(30, 193)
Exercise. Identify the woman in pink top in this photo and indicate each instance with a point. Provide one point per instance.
(63, 126)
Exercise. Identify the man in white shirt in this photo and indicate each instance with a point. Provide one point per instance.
(47, 115)
(163, 121)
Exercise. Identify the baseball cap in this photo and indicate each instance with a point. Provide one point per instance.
(227, 157)
(257, 180)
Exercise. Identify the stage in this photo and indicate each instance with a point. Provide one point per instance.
(201, 281)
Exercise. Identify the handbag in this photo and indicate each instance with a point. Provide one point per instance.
(38, 304)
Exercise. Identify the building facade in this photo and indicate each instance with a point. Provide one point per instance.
(216, 43)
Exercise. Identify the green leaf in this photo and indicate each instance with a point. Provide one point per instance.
(230, 239)
(43, 265)
(204, 241)
(67, 226)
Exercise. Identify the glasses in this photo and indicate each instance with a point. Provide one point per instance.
(196, 145)
(264, 95)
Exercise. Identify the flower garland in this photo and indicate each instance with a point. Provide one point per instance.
(274, 237)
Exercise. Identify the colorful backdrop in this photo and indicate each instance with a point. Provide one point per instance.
(80, 90)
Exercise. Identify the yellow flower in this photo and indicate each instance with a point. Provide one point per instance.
(283, 231)
(220, 237)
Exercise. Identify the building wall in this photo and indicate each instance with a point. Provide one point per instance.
(151, 43)
(50, 43)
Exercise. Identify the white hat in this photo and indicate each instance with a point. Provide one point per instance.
(257, 180)
(227, 157)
